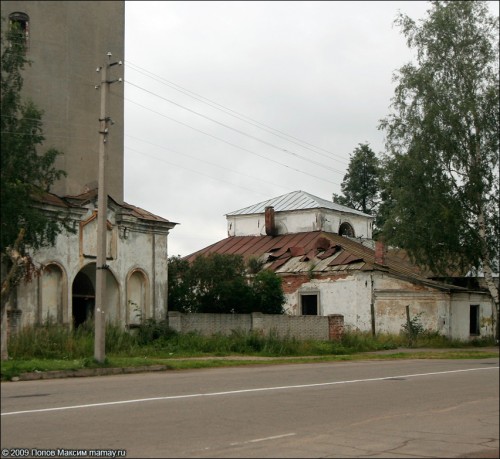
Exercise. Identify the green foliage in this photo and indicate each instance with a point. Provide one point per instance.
(413, 329)
(25, 172)
(268, 293)
(441, 177)
(179, 285)
(360, 186)
(152, 330)
(218, 283)
(356, 341)
(54, 347)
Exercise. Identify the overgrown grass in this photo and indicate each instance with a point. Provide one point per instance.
(53, 347)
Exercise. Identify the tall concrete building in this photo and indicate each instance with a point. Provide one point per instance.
(66, 42)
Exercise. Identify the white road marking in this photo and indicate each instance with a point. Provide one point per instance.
(257, 440)
(240, 391)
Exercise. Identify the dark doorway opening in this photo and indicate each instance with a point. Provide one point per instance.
(309, 305)
(83, 299)
(474, 319)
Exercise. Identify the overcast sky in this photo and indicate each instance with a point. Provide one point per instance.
(228, 104)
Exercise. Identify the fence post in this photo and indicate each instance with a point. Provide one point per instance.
(335, 326)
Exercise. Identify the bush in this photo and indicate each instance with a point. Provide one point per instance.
(152, 330)
(413, 328)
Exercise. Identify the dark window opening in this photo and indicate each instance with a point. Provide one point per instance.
(309, 305)
(19, 23)
(474, 319)
(346, 230)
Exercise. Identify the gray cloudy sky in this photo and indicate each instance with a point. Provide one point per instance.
(228, 104)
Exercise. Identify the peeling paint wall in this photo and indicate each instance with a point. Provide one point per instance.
(351, 295)
(299, 221)
(136, 250)
(460, 310)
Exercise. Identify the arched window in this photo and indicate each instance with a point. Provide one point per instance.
(137, 298)
(21, 22)
(346, 230)
(52, 294)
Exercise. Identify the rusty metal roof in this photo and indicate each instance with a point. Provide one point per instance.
(323, 252)
(296, 200)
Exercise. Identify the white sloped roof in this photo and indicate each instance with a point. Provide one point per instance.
(296, 200)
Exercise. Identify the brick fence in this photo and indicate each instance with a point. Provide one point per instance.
(320, 328)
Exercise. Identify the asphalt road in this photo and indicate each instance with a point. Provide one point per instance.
(410, 408)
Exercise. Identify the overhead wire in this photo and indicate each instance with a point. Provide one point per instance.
(230, 143)
(195, 171)
(234, 113)
(235, 129)
(206, 162)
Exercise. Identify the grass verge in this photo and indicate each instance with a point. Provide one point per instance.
(54, 348)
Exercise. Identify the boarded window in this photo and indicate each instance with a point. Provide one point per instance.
(474, 319)
(309, 305)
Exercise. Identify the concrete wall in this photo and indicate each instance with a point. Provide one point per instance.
(67, 42)
(299, 327)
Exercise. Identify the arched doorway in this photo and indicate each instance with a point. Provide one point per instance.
(83, 294)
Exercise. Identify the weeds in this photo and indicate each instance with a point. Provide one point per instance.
(57, 347)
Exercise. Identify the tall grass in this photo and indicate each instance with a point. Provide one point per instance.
(156, 339)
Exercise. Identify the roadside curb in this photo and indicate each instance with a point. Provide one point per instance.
(86, 372)
(89, 372)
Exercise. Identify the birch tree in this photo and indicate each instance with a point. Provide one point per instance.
(442, 143)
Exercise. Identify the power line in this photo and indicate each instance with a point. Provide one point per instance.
(202, 160)
(229, 143)
(235, 114)
(192, 170)
(236, 130)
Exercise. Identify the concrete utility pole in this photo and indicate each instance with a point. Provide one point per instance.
(102, 206)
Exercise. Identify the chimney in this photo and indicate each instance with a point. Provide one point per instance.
(380, 252)
(269, 219)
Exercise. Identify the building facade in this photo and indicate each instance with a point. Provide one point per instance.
(328, 268)
(66, 43)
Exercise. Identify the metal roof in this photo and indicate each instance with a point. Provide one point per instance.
(296, 200)
(325, 252)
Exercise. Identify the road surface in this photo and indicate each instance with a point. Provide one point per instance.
(408, 408)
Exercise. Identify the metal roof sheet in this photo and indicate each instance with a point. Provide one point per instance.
(296, 200)
(326, 252)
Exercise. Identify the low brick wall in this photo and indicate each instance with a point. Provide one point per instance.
(320, 328)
